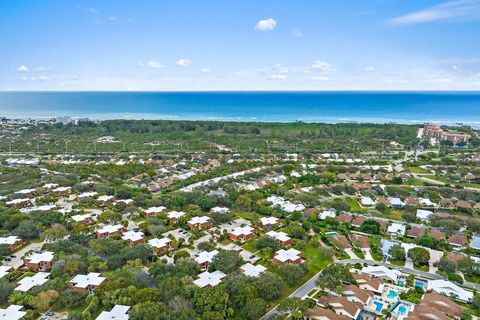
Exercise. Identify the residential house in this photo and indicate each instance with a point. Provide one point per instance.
(199, 222)
(241, 234)
(209, 279)
(134, 238)
(27, 283)
(12, 312)
(287, 256)
(341, 306)
(39, 261)
(251, 270)
(13, 242)
(458, 240)
(109, 230)
(280, 236)
(269, 223)
(160, 246)
(86, 283)
(118, 312)
(204, 258)
(450, 289)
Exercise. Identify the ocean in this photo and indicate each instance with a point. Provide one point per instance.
(330, 107)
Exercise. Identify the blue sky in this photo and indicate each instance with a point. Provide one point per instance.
(240, 45)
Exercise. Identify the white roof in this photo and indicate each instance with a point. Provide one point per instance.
(46, 207)
(446, 287)
(4, 270)
(251, 270)
(239, 231)
(118, 312)
(205, 256)
(10, 240)
(394, 201)
(153, 210)
(175, 214)
(326, 214)
(382, 272)
(426, 202)
(268, 220)
(50, 185)
(133, 235)
(423, 214)
(46, 256)
(199, 220)
(397, 228)
(287, 255)
(110, 229)
(83, 281)
(209, 278)
(104, 198)
(16, 201)
(81, 217)
(87, 194)
(26, 191)
(12, 313)
(367, 201)
(220, 210)
(61, 189)
(280, 236)
(159, 243)
(28, 283)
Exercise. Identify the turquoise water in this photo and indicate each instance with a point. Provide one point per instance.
(378, 306)
(401, 107)
(392, 294)
(331, 234)
(402, 310)
(419, 284)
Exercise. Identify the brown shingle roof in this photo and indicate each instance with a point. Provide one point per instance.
(415, 232)
(437, 234)
(324, 314)
(357, 222)
(344, 218)
(361, 240)
(458, 239)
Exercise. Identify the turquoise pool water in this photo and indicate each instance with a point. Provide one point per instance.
(401, 283)
(419, 284)
(378, 306)
(332, 234)
(392, 294)
(402, 310)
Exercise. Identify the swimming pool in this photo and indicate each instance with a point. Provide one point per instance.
(378, 306)
(401, 283)
(419, 284)
(392, 294)
(331, 234)
(402, 310)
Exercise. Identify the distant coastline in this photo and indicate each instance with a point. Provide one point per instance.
(450, 108)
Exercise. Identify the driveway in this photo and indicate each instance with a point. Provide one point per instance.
(17, 262)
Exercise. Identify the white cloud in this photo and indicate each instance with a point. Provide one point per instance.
(320, 78)
(205, 70)
(39, 78)
(369, 69)
(91, 10)
(154, 64)
(266, 25)
(112, 18)
(278, 76)
(42, 69)
(447, 10)
(297, 34)
(183, 62)
(23, 69)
